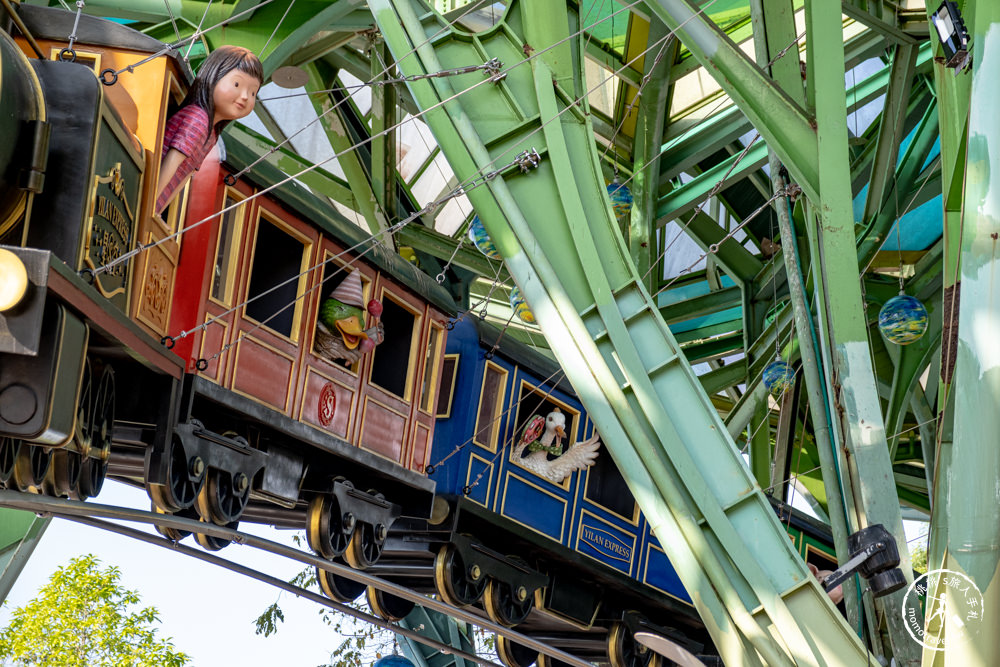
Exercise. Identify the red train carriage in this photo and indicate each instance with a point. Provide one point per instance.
(187, 361)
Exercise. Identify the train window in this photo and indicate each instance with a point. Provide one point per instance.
(449, 371)
(394, 360)
(226, 251)
(334, 273)
(606, 487)
(538, 401)
(490, 403)
(429, 387)
(276, 279)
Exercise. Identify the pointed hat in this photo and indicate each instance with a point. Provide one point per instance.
(349, 291)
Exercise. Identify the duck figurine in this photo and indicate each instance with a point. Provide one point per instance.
(339, 332)
(542, 437)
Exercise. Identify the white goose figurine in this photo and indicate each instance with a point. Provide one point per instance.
(579, 456)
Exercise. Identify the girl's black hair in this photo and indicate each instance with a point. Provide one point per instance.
(218, 64)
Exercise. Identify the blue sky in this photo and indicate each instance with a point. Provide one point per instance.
(209, 612)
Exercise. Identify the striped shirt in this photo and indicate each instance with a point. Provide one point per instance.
(186, 132)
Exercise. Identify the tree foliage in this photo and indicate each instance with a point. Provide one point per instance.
(84, 617)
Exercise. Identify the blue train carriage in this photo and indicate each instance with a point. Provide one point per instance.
(563, 512)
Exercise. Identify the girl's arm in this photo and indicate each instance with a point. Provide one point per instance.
(168, 167)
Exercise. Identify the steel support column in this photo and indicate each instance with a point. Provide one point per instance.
(971, 510)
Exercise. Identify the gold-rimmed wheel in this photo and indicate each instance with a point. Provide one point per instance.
(624, 650)
(63, 477)
(100, 428)
(184, 480)
(9, 448)
(31, 465)
(328, 528)
(507, 604)
(223, 497)
(386, 606)
(457, 583)
(176, 534)
(512, 654)
(338, 588)
(212, 543)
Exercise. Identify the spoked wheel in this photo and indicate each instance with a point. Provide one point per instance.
(84, 411)
(9, 447)
(101, 427)
(30, 467)
(184, 481)
(223, 497)
(212, 543)
(458, 584)
(513, 654)
(175, 534)
(386, 606)
(506, 604)
(365, 546)
(92, 476)
(338, 588)
(63, 478)
(624, 650)
(328, 529)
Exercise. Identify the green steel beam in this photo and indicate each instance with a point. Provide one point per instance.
(724, 377)
(737, 261)
(973, 525)
(891, 128)
(20, 533)
(641, 228)
(850, 377)
(705, 304)
(424, 239)
(688, 196)
(785, 126)
(384, 118)
(318, 48)
(880, 16)
(751, 587)
(323, 77)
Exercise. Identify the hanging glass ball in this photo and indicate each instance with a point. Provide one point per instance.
(778, 377)
(482, 240)
(394, 660)
(621, 198)
(520, 306)
(902, 320)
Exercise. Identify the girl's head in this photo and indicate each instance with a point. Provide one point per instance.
(227, 85)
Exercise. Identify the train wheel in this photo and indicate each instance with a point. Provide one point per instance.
(624, 651)
(84, 411)
(212, 543)
(181, 490)
(63, 478)
(223, 497)
(512, 654)
(338, 588)
(457, 584)
(506, 604)
(30, 467)
(328, 529)
(92, 477)
(386, 606)
(175, 534)
(9, 447)
(365, 546)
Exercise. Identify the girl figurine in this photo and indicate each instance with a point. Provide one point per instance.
(225, 90)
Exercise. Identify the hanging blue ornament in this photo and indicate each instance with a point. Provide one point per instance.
(482, 240)
(621, 198)
(778, 377)
(520, 307)
(394, 660)
(902, 320)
